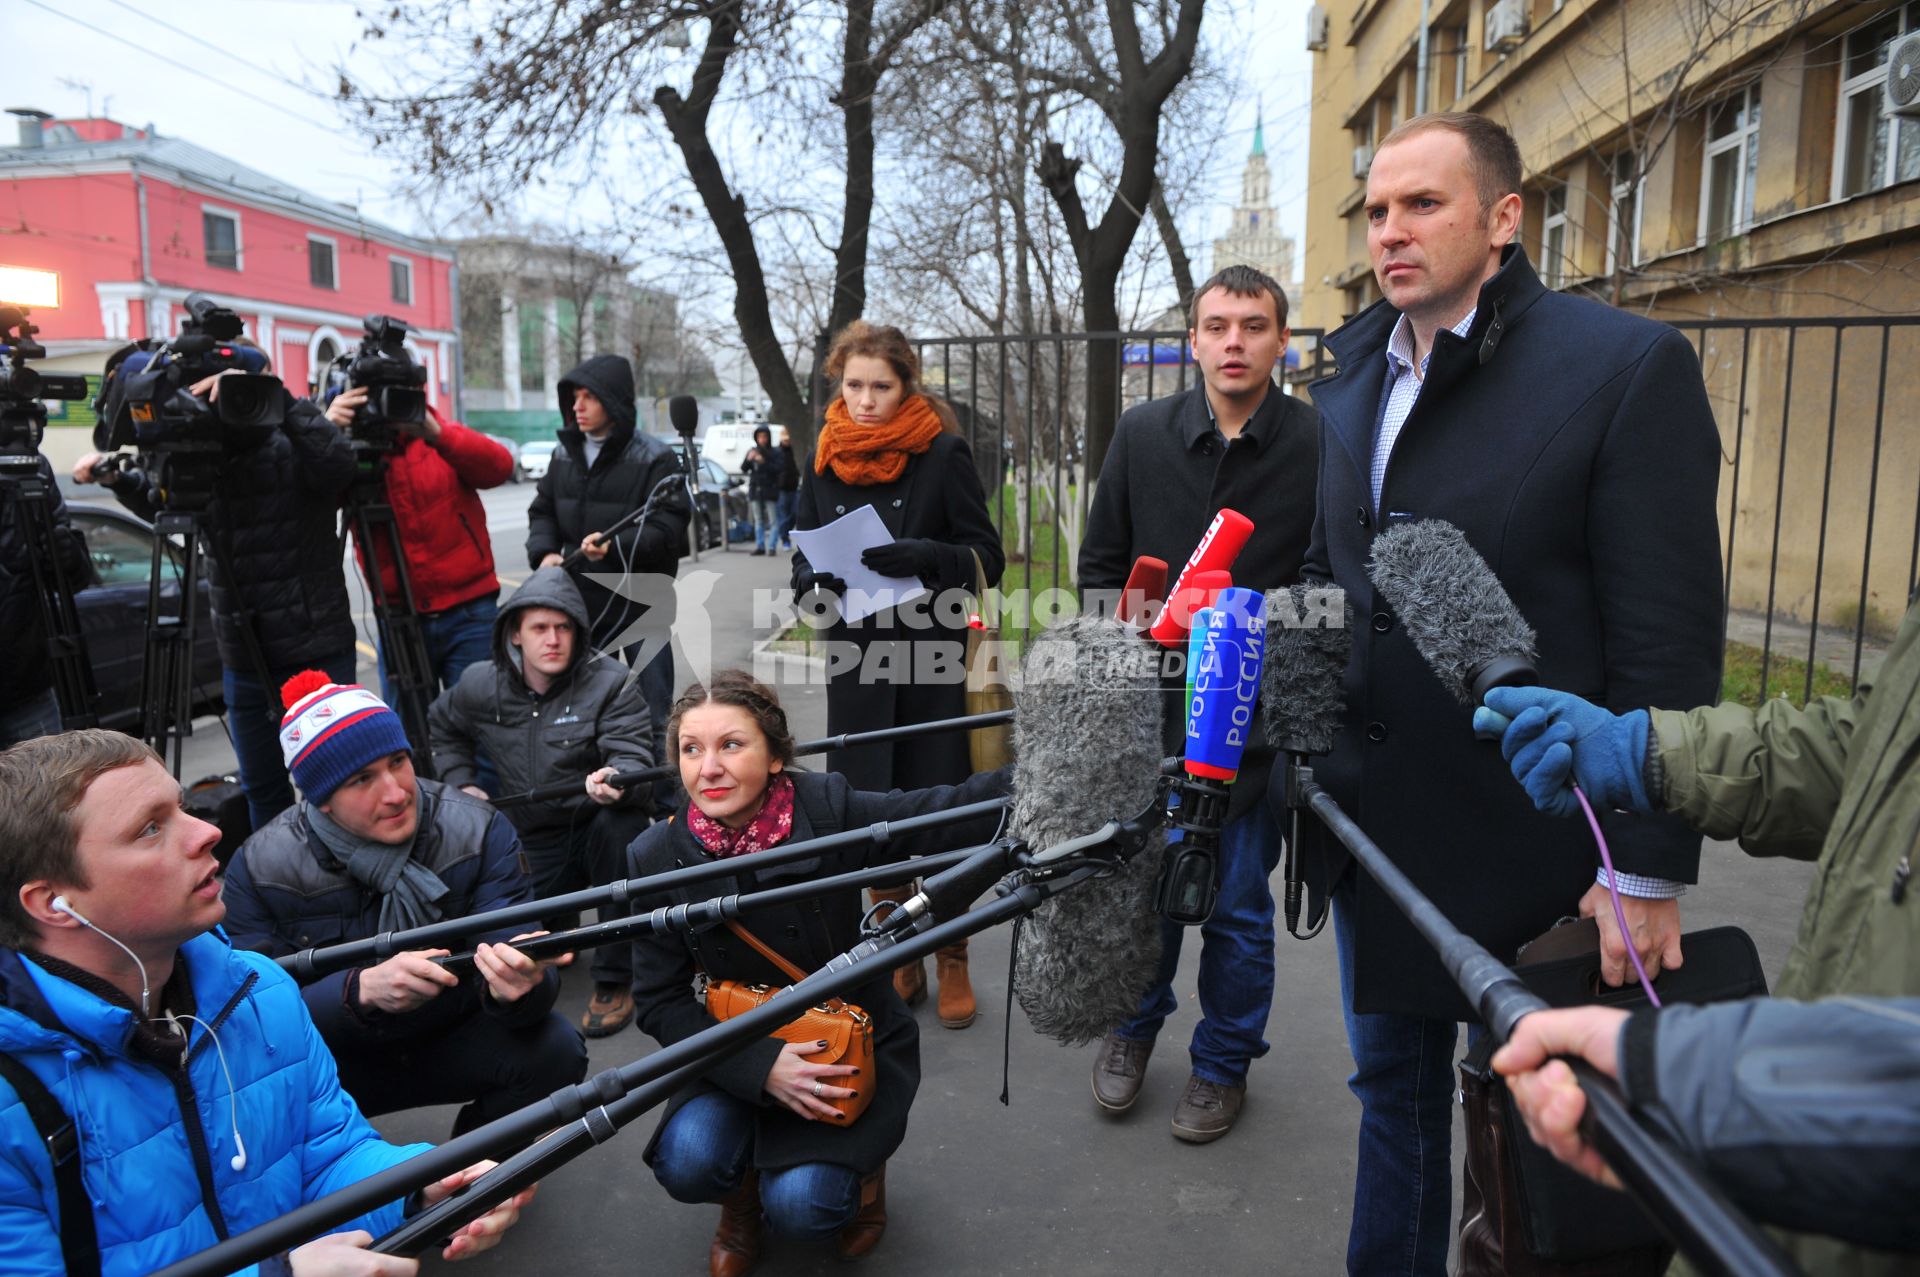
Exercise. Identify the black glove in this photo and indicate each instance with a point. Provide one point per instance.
(826, 582)
(911, 557)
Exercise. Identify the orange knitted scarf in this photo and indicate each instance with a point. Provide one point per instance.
(861, 454)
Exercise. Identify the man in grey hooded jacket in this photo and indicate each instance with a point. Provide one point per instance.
(549, 707)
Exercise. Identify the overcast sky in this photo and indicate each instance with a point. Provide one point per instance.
(179, 65)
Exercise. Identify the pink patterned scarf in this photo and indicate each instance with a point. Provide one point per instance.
(768, 829)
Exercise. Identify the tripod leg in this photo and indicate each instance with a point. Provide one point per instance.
(403, 645)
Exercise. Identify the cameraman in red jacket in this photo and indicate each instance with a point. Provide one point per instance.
(433, 486)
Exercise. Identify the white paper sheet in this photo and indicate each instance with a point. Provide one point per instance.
(835, 550)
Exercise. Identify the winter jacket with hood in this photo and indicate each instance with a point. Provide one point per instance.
(1834, 782)
(575, 498)
(277, 507)
(29, 666)
(437, 511)
(285, 895)
(593, 716)
(767, 477)
(156, 1146)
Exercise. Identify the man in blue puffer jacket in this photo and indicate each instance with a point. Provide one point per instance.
(113, 980)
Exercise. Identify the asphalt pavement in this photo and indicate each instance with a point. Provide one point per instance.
(1044, 1182)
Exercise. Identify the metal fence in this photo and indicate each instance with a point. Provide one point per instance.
(1819, 501)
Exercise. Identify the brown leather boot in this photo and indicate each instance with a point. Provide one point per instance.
(910, 981)
(956, 1006)
(736, 1242)
(869, 1223)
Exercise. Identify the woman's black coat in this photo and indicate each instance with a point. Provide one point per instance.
(938, 498)
(807, 935)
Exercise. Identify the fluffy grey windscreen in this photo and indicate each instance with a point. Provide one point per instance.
(1087, 739)
(1453, 607)
(1309, 638)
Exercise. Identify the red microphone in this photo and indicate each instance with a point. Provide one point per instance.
(1225, 537)
(1197, 590)
(1145, 589)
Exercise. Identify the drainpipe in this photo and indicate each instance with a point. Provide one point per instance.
(146, 257)
(1420, 77)
(459, 337)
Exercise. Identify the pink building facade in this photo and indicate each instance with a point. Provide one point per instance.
(133, 223)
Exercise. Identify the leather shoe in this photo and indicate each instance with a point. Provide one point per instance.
(609, 1012)
(1119, 1071)
(1207, 1110)
(736, 1242)
(863, 1232)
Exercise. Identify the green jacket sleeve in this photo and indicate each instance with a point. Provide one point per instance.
(1769, 777)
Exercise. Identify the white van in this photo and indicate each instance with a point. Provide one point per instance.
(729, 441)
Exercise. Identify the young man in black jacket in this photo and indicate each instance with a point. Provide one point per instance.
(602, 470)
(1234, 442)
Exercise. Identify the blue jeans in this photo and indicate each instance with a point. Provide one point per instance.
(1403, 1078)
(456, 638)
(1236, 958)
(766, 524)
(256, 737)
(784, 510)
(36, 716)
(705, 1151)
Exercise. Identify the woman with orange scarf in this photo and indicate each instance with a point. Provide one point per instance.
(888, 445)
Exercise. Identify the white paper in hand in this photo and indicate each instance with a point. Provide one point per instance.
(836, 548)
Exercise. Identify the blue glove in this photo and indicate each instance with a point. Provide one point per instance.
(1553, 740)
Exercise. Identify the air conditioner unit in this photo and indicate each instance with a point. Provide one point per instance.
(1362, 160)
(1903, 77)
(1316, 29)
(1506, 25)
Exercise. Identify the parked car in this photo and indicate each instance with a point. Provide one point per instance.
(535, 457)
(113, 613)
(723, 504)
(513, 449)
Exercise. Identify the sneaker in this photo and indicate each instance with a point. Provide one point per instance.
(610, 1011)
(1207, 1110)
(1119, 1071)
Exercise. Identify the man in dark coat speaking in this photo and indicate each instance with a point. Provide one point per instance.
(1574, 446)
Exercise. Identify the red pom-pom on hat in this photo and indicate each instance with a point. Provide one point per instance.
(303, 685)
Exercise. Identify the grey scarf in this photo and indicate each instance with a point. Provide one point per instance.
(409, 892)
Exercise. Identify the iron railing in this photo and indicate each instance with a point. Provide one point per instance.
(1819, 502)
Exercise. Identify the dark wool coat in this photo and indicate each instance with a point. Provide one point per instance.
(807, 935)
(574, 498)
(938, 498)
(277, 511)
(1574, 446)
(1164, 479)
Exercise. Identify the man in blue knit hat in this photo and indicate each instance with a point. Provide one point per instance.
(372, 848)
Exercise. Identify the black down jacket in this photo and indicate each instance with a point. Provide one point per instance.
(592, 717)
(276, 511)
(575, 498)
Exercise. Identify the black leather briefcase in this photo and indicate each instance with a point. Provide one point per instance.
(1522, 1212)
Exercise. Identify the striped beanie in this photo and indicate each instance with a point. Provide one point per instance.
(331, 730)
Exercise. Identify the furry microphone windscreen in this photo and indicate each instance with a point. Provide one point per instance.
(1453, 608)
(1087, 738)
(1309, 638)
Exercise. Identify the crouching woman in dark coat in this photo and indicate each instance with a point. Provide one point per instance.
(755, 1133)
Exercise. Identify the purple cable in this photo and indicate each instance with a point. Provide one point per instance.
(1613, 893)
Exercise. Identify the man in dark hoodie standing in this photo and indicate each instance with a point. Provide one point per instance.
(605, 469)
(550, 708)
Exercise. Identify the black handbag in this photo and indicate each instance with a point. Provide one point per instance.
(1522, 1212)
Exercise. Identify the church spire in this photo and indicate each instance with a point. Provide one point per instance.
(1259, 133)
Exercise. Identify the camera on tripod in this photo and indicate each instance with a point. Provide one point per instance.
(147, 402)
(23, 415)
(395, 386)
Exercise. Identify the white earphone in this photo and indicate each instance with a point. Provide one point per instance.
(59, 904)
